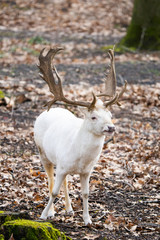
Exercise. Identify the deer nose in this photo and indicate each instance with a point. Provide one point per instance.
(111, 128)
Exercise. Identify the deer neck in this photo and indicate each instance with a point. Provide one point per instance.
(88, 142)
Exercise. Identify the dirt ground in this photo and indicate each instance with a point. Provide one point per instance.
(125, 184)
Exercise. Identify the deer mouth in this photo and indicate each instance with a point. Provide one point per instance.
(109, 131)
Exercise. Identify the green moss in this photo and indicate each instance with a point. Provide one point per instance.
(31, 230)
(144, 30)
(1, 237)
(4, 217)
(8, 216)
(118, 48)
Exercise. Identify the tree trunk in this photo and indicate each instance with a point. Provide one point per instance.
(144, 29)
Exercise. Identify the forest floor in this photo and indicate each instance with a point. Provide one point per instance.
(125, 184)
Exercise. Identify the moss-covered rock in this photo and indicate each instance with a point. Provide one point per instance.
(31, 230)
(8, 216)
(1, 237)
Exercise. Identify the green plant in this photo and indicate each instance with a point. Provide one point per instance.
(37, 40)
(31, 51)
(118, 49)
(2, 95)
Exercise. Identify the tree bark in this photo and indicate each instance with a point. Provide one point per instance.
(144, 30)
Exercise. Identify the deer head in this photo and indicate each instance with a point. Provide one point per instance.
(49, 72)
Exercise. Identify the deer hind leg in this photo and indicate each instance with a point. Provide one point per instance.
(69, 208)
(58, 182)
(49, 168)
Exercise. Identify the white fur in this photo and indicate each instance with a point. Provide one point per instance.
(74, 146)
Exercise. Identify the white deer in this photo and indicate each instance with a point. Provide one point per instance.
(71, 144)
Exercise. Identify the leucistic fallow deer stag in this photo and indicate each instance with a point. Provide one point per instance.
(72, 144)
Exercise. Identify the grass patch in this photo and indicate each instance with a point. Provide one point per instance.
(118, 49)
(31, 51)
(37, 40)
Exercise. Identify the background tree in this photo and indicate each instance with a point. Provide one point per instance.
(144, 29)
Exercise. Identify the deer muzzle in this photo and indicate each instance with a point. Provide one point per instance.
(109, 130)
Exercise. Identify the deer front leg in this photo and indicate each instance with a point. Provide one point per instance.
(58, 182)
(69, 208)
(85, 193)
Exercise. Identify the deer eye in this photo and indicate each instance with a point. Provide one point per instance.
(93, 118)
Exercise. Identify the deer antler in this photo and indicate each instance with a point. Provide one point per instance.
(117, 96)
(111, 83)
(56, 87)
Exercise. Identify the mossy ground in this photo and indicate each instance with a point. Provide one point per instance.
(1, 237)
(31, 230)
(8, 216)
(24, 229)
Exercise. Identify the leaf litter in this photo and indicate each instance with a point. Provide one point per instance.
(124, 186)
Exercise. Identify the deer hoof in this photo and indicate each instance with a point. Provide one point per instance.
(42, 217)
(51, 213)
(88, 222)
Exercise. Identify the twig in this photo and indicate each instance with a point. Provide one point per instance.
(156, 201)
(109, 140)
(100, 218)
(142, 37)
(12, 175)
(150, 225)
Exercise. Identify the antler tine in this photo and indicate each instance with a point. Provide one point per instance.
(117, 97)
(112, 101)
(110, 80)
(121, 92)
(56, 88)
(111, 83)
(47, 74)
(123, 89)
